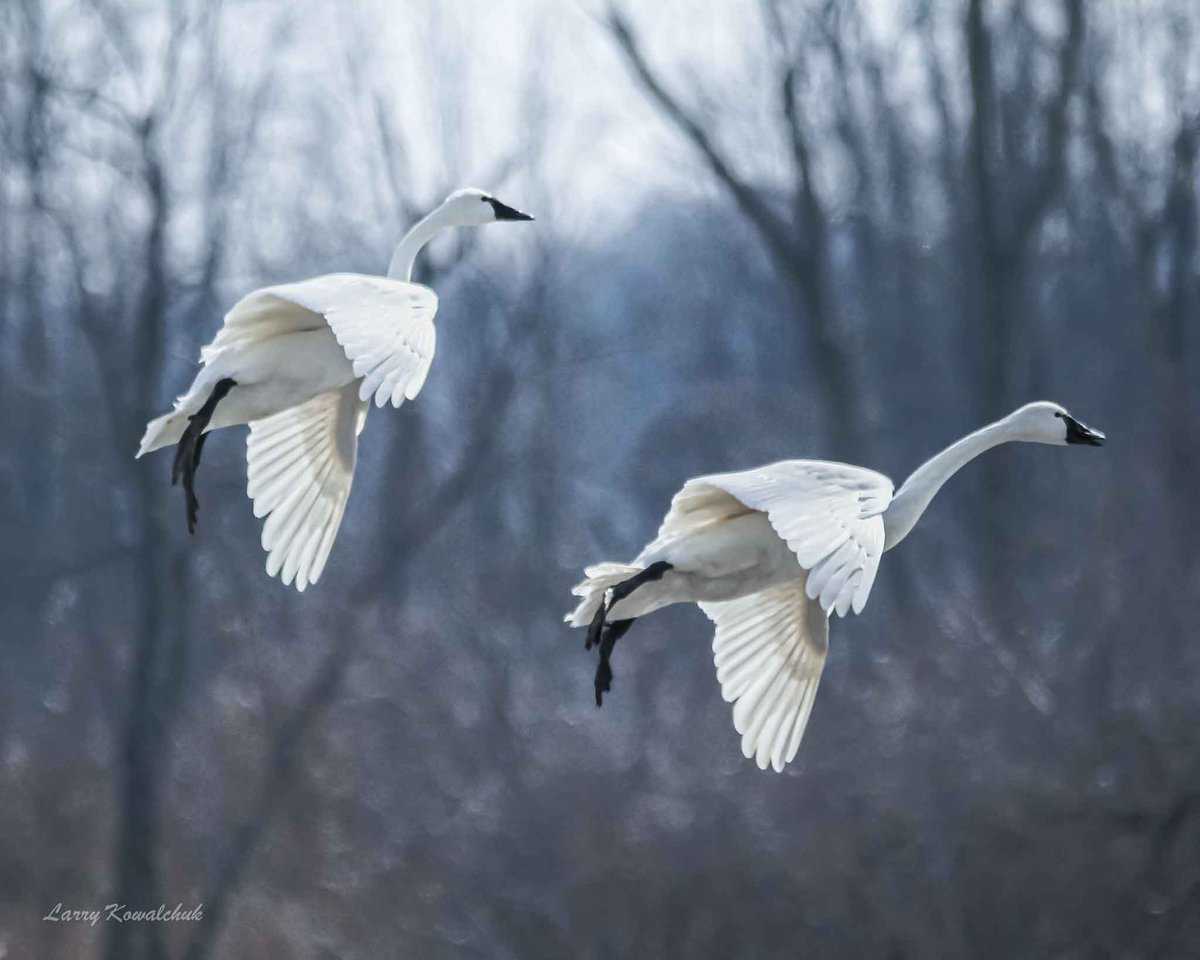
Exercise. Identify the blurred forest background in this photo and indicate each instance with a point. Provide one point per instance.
(790, 228)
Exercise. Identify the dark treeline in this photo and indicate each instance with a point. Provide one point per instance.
(879, 226)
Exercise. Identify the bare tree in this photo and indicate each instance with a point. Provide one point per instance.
(797, 233)
(1013, 186)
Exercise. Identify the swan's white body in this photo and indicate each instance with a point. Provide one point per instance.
(769, 554)
(307, 358)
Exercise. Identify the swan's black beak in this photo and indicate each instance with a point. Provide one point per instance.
(1081, 433)
(505, 212)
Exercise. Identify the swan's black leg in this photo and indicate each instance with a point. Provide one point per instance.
(596, 627)
(623, 589)
(191, 445)
(612, 633)
(607, 634)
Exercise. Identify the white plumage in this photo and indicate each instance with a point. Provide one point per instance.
(384, 327)
(769, 649)
(299, 467)
(299, 363)
(769, 555)
(829, 514)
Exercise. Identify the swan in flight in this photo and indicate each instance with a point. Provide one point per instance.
(768, 555)
(299, 363)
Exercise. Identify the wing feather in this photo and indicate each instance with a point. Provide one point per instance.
(384, 326)
(769, 649)
(829, 514)
(300, 465)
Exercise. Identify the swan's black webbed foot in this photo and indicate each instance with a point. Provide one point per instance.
(605, 634)
(612, 633)
(191, 445)
(597, 625)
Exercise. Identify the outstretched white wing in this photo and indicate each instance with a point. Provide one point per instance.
(300, 464)
(829, 514)
(769, 650)
(385, 327)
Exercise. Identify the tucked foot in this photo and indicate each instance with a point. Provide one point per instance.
(612, 633)
(191, 445)
(605, 634)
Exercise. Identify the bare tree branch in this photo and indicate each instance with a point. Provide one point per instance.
(1056, 123)
(768, 222)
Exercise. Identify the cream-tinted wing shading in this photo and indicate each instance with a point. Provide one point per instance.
(384, 326)
(829, 514)
(299, 465)
(696, 506)
(769, 650)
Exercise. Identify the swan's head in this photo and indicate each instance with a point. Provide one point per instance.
(474, 208)
(1046, 422)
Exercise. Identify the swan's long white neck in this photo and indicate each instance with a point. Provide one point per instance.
(401, 266)
(919, 489)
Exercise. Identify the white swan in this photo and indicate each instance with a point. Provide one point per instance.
(769, 554)
(299, 363)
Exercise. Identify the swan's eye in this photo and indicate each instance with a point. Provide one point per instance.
(1058, 414)
(488, 199)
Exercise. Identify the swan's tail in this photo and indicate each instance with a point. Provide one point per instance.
(163, 431)
(600, 577)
